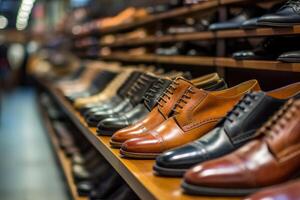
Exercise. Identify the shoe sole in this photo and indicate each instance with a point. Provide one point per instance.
(162, 171)
(105, 133)
(115, 145)
(289, 60)
(208, 191)
(138, 155)
(277, 24)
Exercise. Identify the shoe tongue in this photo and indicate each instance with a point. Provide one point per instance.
(154, 92)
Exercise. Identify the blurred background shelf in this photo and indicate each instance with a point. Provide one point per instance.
(64, 162)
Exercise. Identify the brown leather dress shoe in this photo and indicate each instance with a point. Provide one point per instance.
(196, 113)
(287, 191)
(163, 110)
(273, 158)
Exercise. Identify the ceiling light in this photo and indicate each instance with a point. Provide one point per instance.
(3, 22)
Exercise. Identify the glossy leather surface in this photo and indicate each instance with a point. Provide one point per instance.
(110, 125)
(269, 49)
(196, 113)
(286, 191)
(290, 57)
(133, 98)
(287, 15)
(237, 21)
(237, 128)
(165, 107)
(275, 150)
(249, 24)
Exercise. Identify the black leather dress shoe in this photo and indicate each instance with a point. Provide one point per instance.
(236, 129)
(237, 21)
(287, 15)
(106, 187)
(250, 23)
(94, 118)
(84, 188)
(269, 49)
(111, 103)
(133, 98)
(82, 174)
(98, 84)
(83, 159)
(290, 57)
(110, 125)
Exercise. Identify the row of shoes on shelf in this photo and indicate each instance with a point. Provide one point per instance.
(92, 174)
(128, 15)
(284, 49)
(223, 141)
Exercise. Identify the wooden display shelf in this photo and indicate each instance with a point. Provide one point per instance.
(207, 61)
(63, 161)
(257, 64)
(259, 32)
(205, 35)
(177, 12)
(137, 173)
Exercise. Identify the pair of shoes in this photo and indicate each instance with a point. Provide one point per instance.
(181, 118)
(245, 19)
(169, 97)
(144, 101)
(121, 112)
(273, 48)
(133, 95)
(271, 158)
(286, 15)
(236, 129)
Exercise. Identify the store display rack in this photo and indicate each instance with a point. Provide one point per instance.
(137, 173)
(201, 61)
(63, 161)
(177, 12)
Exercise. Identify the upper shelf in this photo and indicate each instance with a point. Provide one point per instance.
(177, 12)
(207, 61)
(137, 173)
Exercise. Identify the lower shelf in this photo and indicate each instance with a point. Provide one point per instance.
(64, 162)
(137, 173)
(206, 61)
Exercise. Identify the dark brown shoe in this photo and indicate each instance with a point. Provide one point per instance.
(273, 158)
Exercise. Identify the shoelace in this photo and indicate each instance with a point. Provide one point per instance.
(184, 99)
(168, 93)
(241, 106)
(153, 90)
(292, 3)
(138, 85)
(278, 122)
